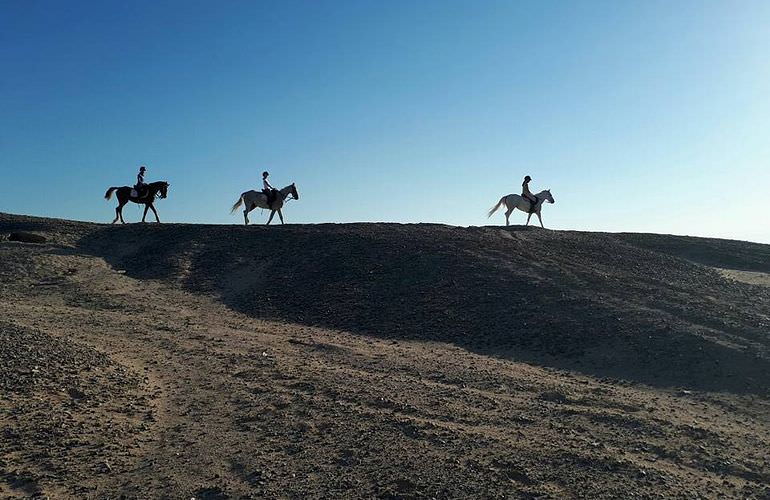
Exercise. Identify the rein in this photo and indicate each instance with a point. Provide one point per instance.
(289, 196)
(157, 193)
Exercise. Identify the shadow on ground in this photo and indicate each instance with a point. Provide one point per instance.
(726, 254)
(621, 306)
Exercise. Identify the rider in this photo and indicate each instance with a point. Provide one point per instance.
(268, 189)
(527, 194)
(140, 186)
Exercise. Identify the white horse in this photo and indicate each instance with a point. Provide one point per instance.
(253, 199)
(514, 201)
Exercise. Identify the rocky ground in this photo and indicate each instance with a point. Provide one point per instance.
(380, 360)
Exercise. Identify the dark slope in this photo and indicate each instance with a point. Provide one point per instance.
(624, 306)
(728, 254)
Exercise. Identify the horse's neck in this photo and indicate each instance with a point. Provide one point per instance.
(285, 191)
(540, 195)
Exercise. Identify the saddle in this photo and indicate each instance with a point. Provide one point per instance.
(139, 193)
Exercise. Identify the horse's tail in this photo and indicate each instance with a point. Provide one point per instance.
(237, 204)
(108, 194)
(494, 209)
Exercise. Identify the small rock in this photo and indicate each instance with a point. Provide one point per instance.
(26, 237)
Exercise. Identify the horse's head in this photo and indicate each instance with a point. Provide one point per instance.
(294, 192)
(548, 197)
(163, 190)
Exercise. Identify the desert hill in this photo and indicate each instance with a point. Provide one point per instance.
(386, 360)
(599, 303)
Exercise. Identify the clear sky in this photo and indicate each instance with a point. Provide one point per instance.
(640, 116)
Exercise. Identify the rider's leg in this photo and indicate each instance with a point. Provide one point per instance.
(268, 198)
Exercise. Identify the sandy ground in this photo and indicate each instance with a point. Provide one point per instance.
(122, 384)
(750, 277)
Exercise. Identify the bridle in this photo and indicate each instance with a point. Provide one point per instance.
(159, 192)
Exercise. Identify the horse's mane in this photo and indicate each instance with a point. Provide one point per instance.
(157, 186)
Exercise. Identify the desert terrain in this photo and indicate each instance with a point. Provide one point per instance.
(380, 361)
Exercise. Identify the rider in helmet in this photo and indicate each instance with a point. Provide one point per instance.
(268, 189)
(140, 184)
(527, 194)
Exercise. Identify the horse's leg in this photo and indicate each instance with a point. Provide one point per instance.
(280, 215)
(528, 217)
(119, 209)
(541, 219)
(272, 214)
(507, 216)
(144, 215)
(246, 209)
(152, 207)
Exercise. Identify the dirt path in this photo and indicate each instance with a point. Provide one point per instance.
(196, 400)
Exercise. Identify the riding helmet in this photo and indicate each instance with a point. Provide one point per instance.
(527, 178)
(265, 173)
(142, 168)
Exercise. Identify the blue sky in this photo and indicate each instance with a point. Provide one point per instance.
(640, 116)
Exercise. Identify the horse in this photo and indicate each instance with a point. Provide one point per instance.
(155, 189)
(253, 199)
(514, 201)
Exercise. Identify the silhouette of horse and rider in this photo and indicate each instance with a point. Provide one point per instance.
(145, 194)
(141, 193)
(526, 202)
(274, 199)
(269, 198)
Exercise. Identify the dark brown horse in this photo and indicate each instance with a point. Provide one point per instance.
(153, 190)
